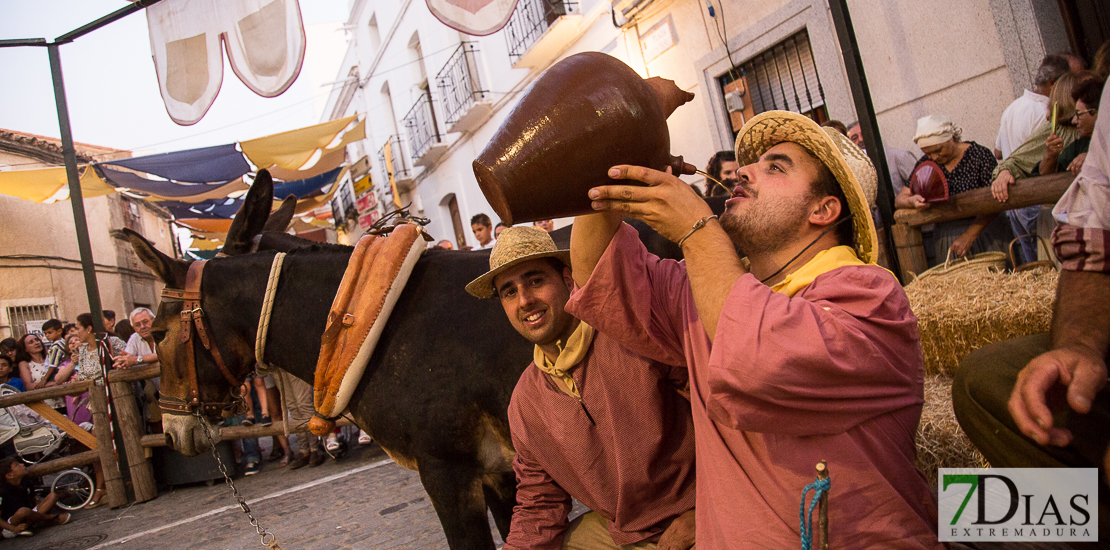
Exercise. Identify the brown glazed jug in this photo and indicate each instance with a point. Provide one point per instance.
(587, 113)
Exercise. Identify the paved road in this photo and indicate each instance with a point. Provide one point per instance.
(361, 501)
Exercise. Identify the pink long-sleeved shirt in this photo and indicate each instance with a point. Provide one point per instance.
(833, 373)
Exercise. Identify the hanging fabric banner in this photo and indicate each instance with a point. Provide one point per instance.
(167, 190)
(474, 17)
(265, 43)
(207, 164)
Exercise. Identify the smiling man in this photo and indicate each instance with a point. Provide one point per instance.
(809, 352)
(589, 420)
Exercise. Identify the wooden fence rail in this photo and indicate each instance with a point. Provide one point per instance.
(1024, 192)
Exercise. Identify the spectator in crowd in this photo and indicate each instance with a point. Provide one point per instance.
(8, 348)
(77, 407)
(19, 506)
(109, 321)
(88, 355)
(635, 447)
(546, 225)
(836, 125)
(298, 408)
(967, 166)
(1101, 65)
(1058, 158)
(899, 163)
(58, 352)
(36, 374)
(721, 168)
(6, 370)
(1028, 111)
(807, 351)
(123, 330)
(445, 245)
(251, 454)
(497, 229)
(1025, 157)
(1042, 401)
(482, 227)
(139, 349)
(52, 331)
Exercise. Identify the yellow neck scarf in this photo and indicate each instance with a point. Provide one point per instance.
(824, 262)
(571, 353)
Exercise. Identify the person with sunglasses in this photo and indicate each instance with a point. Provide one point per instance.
(1057, 157)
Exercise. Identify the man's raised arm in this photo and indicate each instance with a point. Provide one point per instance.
(588, 240)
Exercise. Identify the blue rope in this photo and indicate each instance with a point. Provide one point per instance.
(819, 487)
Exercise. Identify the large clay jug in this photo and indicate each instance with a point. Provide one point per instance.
(584, 115)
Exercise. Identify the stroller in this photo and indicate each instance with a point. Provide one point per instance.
(33, 442)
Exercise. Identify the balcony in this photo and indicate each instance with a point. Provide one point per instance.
(465, 103)
(424, 139)
(391, 157)
(539, 30)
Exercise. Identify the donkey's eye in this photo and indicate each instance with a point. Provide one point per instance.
(158, 335)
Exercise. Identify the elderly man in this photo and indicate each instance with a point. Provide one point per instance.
(589, 420)
(140, 346)
(807, 353)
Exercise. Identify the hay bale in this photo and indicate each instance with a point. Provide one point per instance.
(959, 313)
(941, 443)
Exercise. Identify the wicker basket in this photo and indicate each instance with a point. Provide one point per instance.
(1035, 264)
(986, 261)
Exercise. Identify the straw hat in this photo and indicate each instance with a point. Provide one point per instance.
(516, 245)
(851, 167)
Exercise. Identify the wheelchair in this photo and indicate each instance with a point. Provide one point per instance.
(33, 442)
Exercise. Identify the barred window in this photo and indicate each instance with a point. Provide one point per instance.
(782, 77)
(19, 316)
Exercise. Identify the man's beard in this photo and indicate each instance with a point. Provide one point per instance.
(762, 228)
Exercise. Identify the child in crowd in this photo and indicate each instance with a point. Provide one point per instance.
(18, 506)
(6, 374)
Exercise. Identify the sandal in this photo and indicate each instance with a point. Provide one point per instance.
(285, 460)
(97, 500)
(62, 519)
(248, 421)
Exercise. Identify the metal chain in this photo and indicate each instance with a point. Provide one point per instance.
(263, 533)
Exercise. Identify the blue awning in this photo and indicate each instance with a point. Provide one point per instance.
(217, 209)
(305, 187)
(167, 189)
(207, 164)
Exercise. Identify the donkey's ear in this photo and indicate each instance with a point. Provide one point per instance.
(279, 220)
(172, 272)
(252, 216)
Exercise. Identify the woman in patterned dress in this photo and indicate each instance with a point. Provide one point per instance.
(967, 166)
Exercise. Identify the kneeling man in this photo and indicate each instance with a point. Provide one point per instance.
(589, 419)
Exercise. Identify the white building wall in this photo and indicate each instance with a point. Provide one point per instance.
(945, 57)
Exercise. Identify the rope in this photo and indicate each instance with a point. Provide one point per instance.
(267, 309)
(104, 353)
(819, 487)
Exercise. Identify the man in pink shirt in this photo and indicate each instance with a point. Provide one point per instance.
(809, 352)
(589, 420)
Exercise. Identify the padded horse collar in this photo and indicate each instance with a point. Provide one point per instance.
(192, 319)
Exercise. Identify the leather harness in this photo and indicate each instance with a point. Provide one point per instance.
(193, 319)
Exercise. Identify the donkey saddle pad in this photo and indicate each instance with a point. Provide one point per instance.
(372, 283)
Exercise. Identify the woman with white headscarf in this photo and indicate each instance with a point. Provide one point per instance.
(966, 165)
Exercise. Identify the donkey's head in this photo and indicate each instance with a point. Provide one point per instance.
(194, 389)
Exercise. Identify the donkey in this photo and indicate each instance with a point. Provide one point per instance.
(436, 391)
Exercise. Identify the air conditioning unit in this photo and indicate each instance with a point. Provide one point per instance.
(734, 101)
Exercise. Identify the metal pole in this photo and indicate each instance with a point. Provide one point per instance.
(75, 197)
(861, 95)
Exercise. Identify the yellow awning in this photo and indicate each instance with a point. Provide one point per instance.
(292, 150)
(49, 185)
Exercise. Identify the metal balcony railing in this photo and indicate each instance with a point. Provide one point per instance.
(397, 166)
(531, 19)
(458, 83)
(420, 125)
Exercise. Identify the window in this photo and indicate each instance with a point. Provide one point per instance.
(19, 317)
(783, 77)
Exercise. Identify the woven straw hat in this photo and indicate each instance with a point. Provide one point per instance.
(851, 167)
(516, 245)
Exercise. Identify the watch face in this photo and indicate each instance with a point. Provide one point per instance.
(929, 181)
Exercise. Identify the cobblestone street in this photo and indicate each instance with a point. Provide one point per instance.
(362, 501)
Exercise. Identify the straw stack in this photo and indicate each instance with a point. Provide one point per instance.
(941, 443)
(961, 312)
